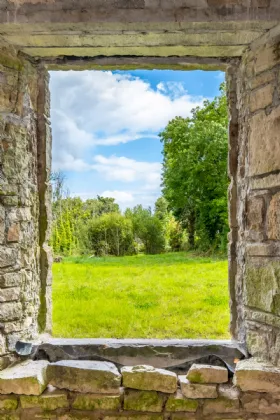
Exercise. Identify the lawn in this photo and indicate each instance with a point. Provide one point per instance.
(161, 296)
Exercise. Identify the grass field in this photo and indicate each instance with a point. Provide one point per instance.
(161, 296)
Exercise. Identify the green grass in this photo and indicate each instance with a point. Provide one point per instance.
(162, 296)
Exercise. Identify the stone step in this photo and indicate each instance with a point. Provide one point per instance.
(27, 378)
(84, 376)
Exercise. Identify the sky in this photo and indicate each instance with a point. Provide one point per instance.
(105, 127)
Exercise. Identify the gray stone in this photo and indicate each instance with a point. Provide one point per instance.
(10, 294)
(252, 375)
(196, 391)
(207, 374)
(27, 378)
(11, 279)
(221, 405)
(148, 378)
(84, 376)
(10, 311)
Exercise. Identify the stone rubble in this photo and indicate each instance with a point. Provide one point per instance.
(35, 397)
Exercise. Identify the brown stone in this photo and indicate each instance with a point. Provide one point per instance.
(196, 391)
(13, 233)
(255, 216)
(207, 374)
(252, 375)
(264, 145)
(273, 218)
(221, 405)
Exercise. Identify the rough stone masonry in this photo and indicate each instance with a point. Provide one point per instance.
(239, 36)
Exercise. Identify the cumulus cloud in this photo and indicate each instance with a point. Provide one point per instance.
(93, 108)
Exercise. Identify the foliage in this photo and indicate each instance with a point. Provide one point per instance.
(133, 297)
(147, 228)
(112, 234)
(195, 172)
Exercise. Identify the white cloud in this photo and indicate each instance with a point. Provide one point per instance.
(122, 197)
(128, 170)
(93, 108)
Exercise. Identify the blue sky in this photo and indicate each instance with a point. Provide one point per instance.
(106, 124)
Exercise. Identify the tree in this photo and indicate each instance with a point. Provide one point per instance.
(195, 171)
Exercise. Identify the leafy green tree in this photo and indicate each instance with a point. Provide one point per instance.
(195, 171)
(111, 233)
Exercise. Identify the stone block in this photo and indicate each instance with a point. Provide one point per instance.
(261, 286)
(196, 391)
(131, 416)
(8, 403)
(262, 79)
(273, 218)
(221, 405)
(10, 294)
(84, 376)
(143, 400)
(261, 98)
(11, 279)
(148, 378)
(178, 402)
(13, 233)
(8, 256)
(269, 181)
(10, 311)
(51, 399)
(256, 403)
(229, 391)
(252, 375)
(207, 374)
(96, 402)
(264, 145)
(27, 378)
(266, 58)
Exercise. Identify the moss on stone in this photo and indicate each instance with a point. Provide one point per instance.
(195, 377)
(8, 403)
(96, 402)
(143, 400)
(179, 403)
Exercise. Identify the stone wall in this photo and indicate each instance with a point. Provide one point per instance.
(255, 191)
(21, 234)
(84, 390)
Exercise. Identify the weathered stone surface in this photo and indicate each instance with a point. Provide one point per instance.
(273, 218)
(178, 402)
(27, 378)
(261, 286)
(261, 98)
(264, 145)
(229, 391)
(13, 233)
(207, 374)
(131, 416)
(255, 217)
(8, 256)
(8, 403)
(96, 402)
(143, 400)
(221, 405)
(10, 311)
(84, 376)
(251, 375)
(264, 403)
(148, 378)
(51, 399)
(193, 390)
(11, 279)
(10, 294)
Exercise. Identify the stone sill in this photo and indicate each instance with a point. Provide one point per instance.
(173, 354)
